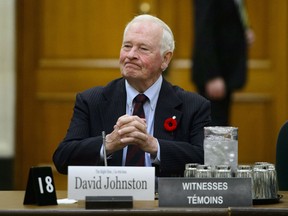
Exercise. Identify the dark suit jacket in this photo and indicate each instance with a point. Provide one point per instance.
(98, 109)
(220, 48)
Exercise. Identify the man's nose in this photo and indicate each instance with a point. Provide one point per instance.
(132, 53)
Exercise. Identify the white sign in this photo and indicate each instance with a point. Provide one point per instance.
(138, 182)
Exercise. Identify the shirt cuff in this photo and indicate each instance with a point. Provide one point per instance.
(157, 159)
(102, 154)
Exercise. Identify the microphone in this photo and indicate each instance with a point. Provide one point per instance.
(104, 148)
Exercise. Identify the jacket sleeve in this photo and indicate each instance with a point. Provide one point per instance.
(79, 147)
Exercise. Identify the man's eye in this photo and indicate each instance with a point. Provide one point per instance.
(144, 48)
(127, 46)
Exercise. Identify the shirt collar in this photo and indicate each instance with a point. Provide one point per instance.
(152, 93)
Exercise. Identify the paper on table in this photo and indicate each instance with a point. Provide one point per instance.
(66, 201)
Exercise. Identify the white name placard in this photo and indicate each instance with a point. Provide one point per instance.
(138, 182)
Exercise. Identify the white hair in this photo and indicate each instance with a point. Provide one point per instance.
(167, 43)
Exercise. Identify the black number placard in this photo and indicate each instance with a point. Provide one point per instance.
(40, 187)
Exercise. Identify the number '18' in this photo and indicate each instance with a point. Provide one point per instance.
(49, 186)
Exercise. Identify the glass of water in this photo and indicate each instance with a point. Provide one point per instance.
(190, 169)
(244, 171)
(265, 181)
(204, 171)
(221, 146)
(223, 171)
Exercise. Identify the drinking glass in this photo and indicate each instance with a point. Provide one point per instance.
(190, 169)
(265, 181)
(244, 171)
(223, 171)
(204, 171)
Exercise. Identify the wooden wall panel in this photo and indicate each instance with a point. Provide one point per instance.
(54, 118)
(259, 18)
(66, 46)
(253, 144)
(89, 29)
(63, 80)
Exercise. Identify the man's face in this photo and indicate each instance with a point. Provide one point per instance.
(140, 58)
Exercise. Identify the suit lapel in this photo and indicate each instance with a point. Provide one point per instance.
(166, 108)
(111, 110)
(114, 106)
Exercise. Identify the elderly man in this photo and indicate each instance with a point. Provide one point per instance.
(162, 127)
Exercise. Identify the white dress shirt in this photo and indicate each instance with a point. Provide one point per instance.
(149, 108)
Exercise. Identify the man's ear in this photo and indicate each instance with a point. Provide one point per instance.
(166, 60)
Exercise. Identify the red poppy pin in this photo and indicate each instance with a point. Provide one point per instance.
(170, 124)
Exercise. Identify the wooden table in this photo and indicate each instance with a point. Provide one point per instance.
(11, 203)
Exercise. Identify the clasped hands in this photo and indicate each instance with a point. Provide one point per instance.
(131, 130)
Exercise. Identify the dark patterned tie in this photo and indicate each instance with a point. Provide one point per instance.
(136, 156)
